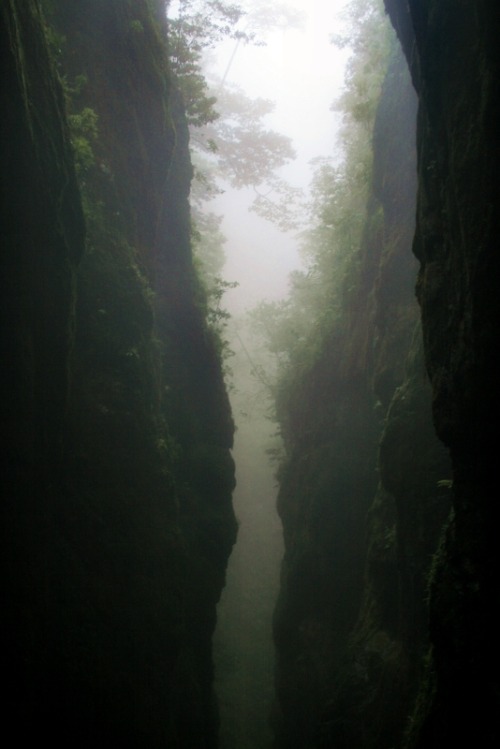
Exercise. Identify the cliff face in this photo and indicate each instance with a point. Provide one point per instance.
(416, 635)
(362, 521)
(453, 52)
(118, 522)
(42, 240)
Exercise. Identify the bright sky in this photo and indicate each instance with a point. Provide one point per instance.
(302, 72)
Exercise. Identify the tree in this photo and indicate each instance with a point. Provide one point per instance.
(296, 329)
(226, 125)
(367, 34)
(194, 27)
(230, 143)
(248, 153)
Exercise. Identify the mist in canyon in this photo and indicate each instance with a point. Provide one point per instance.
(300, 71)
(248, 371)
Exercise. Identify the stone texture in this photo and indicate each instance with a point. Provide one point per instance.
(116, 515)
(453, 53)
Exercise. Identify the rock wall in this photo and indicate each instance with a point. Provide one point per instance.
(117, 519)
(452, 49)
(364, 493)
(424, 641)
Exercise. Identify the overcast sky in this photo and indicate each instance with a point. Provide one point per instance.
(302, 72)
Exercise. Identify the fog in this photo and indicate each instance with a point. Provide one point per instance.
(302, 72)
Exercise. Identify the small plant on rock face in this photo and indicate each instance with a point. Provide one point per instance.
(217, 315)
(218, 318)
(136, 27)
(83, 127)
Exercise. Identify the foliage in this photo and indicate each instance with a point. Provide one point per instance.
(217, 316)
(208, 241)
(82, 124)
(136, 27)
(296, 329)
(247, 152)
(227, 125)
(340, 190)
(273, 322)
(244, 153)
(367, 33)
(217, 319)
(280, 203)
(83, 127)
(197, 26)
(230, 143)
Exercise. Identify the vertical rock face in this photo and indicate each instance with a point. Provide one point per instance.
(360, 498)
(405, 625)
(117, 519)
(453, 52)
(42, 240)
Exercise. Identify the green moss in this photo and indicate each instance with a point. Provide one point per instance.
(120, 426)
(423, 704)
(136, 27)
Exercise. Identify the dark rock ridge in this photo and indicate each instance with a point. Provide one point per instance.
(116, 429)
(387, 633)
(453, 52)
(362, 497)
